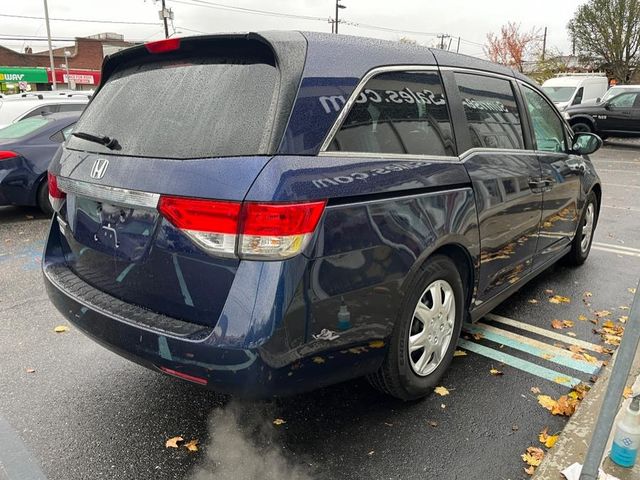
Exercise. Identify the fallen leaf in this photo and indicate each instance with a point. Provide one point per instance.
(495, 372)
(623, 307)
(608, 324)
(557, 324)
(547, 402)
(548, 292)
(533, 301)
(459, 353)
(61, 329)
(623, 319)
(631, 290)
(279, 421)
(562, 380)
(376, 344)
(371, 452)
(568, 323)
(530, 470)
(576, 349)
(571, 334)
(611, 339)
(515, 428)
(535, 390)
(443, 406)
(628, 392)
(589, 358)
(557, 299)
(442, 391)
(31, 370)
(192, 445)
(173, 442)
(318, 360)
(388, 424)
(565, 406)
(602, 313)
(433, 423)
(547, 356)
(582, 318)
(533, 456)
(478, 336)
(547, 440)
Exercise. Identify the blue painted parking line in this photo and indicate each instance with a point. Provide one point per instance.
(520, 364)
(533, 347)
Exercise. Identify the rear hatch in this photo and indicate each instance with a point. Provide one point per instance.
(194, 118)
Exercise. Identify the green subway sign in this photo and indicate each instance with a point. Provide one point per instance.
(18, 74)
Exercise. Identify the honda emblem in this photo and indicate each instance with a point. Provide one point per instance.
(99, 168)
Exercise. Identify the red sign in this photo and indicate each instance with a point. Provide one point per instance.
(79, 77)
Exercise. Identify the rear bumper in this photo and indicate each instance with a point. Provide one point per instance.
(17, 183)
(192, 352)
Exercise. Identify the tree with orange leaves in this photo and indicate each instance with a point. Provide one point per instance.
(511, 45)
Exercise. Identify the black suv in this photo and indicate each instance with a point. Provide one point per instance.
(618, 116)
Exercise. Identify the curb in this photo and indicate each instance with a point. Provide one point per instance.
(575, 438)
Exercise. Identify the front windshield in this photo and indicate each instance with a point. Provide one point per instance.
(559, 94)
(22, 128)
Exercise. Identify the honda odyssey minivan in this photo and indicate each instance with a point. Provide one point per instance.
(328, 207)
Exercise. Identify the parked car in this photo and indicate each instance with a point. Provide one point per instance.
(335, 208)
(616, 90)
(575, 89)
(14, 108)
(618, 115)
(26, 149)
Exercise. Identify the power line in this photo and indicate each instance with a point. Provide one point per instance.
(220, 6)
(79, 20)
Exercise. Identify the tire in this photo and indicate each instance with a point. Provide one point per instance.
(582, 127)
(410, 376)
(43, 198)
(581, 244)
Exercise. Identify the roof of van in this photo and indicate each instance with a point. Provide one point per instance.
(572, 81)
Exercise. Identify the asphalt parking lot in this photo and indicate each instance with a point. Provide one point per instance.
(84, 412)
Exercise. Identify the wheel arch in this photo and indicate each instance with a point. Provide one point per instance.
(584, 119)
(462, 259)
(597, 190)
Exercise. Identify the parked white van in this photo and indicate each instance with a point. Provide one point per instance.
(575, 89)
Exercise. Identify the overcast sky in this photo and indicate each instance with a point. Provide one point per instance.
(469, 19)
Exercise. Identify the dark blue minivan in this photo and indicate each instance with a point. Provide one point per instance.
(269, 213)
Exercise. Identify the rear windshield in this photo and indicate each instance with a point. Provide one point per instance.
(22, 128)
(185, 108)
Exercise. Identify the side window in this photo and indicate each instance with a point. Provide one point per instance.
(71, 107)
(577, 100)
(491, 110)
(625, 100)
(398, 112)
(548, 128)
(66, 132)
(42, 110)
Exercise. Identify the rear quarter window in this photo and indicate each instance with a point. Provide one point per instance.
(184, 108)
(22, 128)
(401, 113)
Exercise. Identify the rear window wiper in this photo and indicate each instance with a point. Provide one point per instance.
(110, 143)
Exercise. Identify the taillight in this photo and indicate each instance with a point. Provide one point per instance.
(7, 154)
(56, 196)
(163, 46)
(251, 230)
(54, 191)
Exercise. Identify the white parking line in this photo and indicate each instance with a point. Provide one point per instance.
(617, 171)
(616, 251)
(628, 209)
(611, 245)
(620, 185)
(544, 332)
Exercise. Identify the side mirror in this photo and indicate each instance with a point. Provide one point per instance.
(598, 100)
(607, 106)
(586, 143)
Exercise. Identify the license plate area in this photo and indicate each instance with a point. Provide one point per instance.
(124, 232)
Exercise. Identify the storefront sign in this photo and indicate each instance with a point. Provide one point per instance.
(76, 76)
(78, 79)
(19, 74)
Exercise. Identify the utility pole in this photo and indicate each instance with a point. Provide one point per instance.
(458, 47)
(53, 67)
(337, 20)
(544, 43)
(164, 15)
(442, 38)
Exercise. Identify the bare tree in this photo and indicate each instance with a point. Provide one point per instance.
(511, 45)
(610, 29)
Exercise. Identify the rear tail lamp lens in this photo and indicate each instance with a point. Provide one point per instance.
(267, 231)
(56, 196)
(7, 154)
